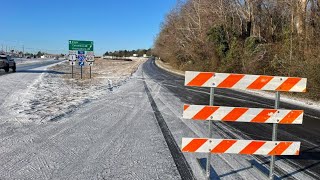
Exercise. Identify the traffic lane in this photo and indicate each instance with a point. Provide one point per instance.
(26, 67)
(307, 133)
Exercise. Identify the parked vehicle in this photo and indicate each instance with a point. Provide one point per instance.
(6, 62)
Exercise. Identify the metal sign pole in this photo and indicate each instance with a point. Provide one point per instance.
(72, 70)
(81, 72)
(90, 72)
(210, 135)
(274, 136)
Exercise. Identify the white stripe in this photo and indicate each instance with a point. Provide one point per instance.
(220, 113)
(292, 149)
(218, 78)
(277, 116)
(191, 111)
(249, 115)
(214, 143)
(238, 146)
(204, 148)
(266, 148)
(300, 86)
(189, 76)
(299, 119)
(185, 142)
(245, 82)
(274, 83)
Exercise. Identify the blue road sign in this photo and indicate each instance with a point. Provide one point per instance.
(81, 52)
(81, 58)
(81, 63)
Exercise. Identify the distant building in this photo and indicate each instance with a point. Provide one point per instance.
(135, 55)
(49, 56)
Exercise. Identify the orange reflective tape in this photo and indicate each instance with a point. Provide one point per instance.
(231, 80)
(288, 84)
(194, 145)
(280, 148)
(200, 79)
(205, 112)
(260, 82)
(186, 106)
(252, 147)
(223, 146)
(235, 114)
(264, 115)
(291, 116)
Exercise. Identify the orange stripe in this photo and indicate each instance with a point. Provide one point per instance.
(280, 148)
(288, 84)
(185, 107)
(291, 116)
(223, 146)
(263, 116)
(235, 114)
(231, 80)
(260, 82)
(194, 145)
(205, 112)
(252, 147)
(200, 79)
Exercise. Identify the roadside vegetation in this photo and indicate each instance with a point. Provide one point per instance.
(272, 37)
(128, 53)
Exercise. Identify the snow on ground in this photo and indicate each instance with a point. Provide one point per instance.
(54, 94)
(113, 137)
(20, 61)
(304, 102)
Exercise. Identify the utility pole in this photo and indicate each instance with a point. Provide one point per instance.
(22, 50)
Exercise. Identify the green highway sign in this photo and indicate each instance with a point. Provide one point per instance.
(75, 45)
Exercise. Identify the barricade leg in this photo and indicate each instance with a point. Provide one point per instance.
(211, 102)
(274, 136)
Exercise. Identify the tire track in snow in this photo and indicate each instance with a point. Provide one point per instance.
(178, 157)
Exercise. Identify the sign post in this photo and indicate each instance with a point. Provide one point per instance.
(82, 50)
(72, 59)
(90, 60)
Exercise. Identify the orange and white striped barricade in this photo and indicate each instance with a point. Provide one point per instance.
(245, 82)
(234, 146)
(241, 114)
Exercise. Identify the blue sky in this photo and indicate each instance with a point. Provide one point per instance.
(47, 25)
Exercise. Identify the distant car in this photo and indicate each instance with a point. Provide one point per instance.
(6, 62)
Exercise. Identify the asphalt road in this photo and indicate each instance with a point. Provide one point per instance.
(309, 159)
(29, 67)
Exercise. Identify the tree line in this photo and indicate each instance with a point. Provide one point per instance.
(273, 37)
(128, 53)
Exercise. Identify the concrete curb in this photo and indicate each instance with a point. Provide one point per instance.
(168, 68)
